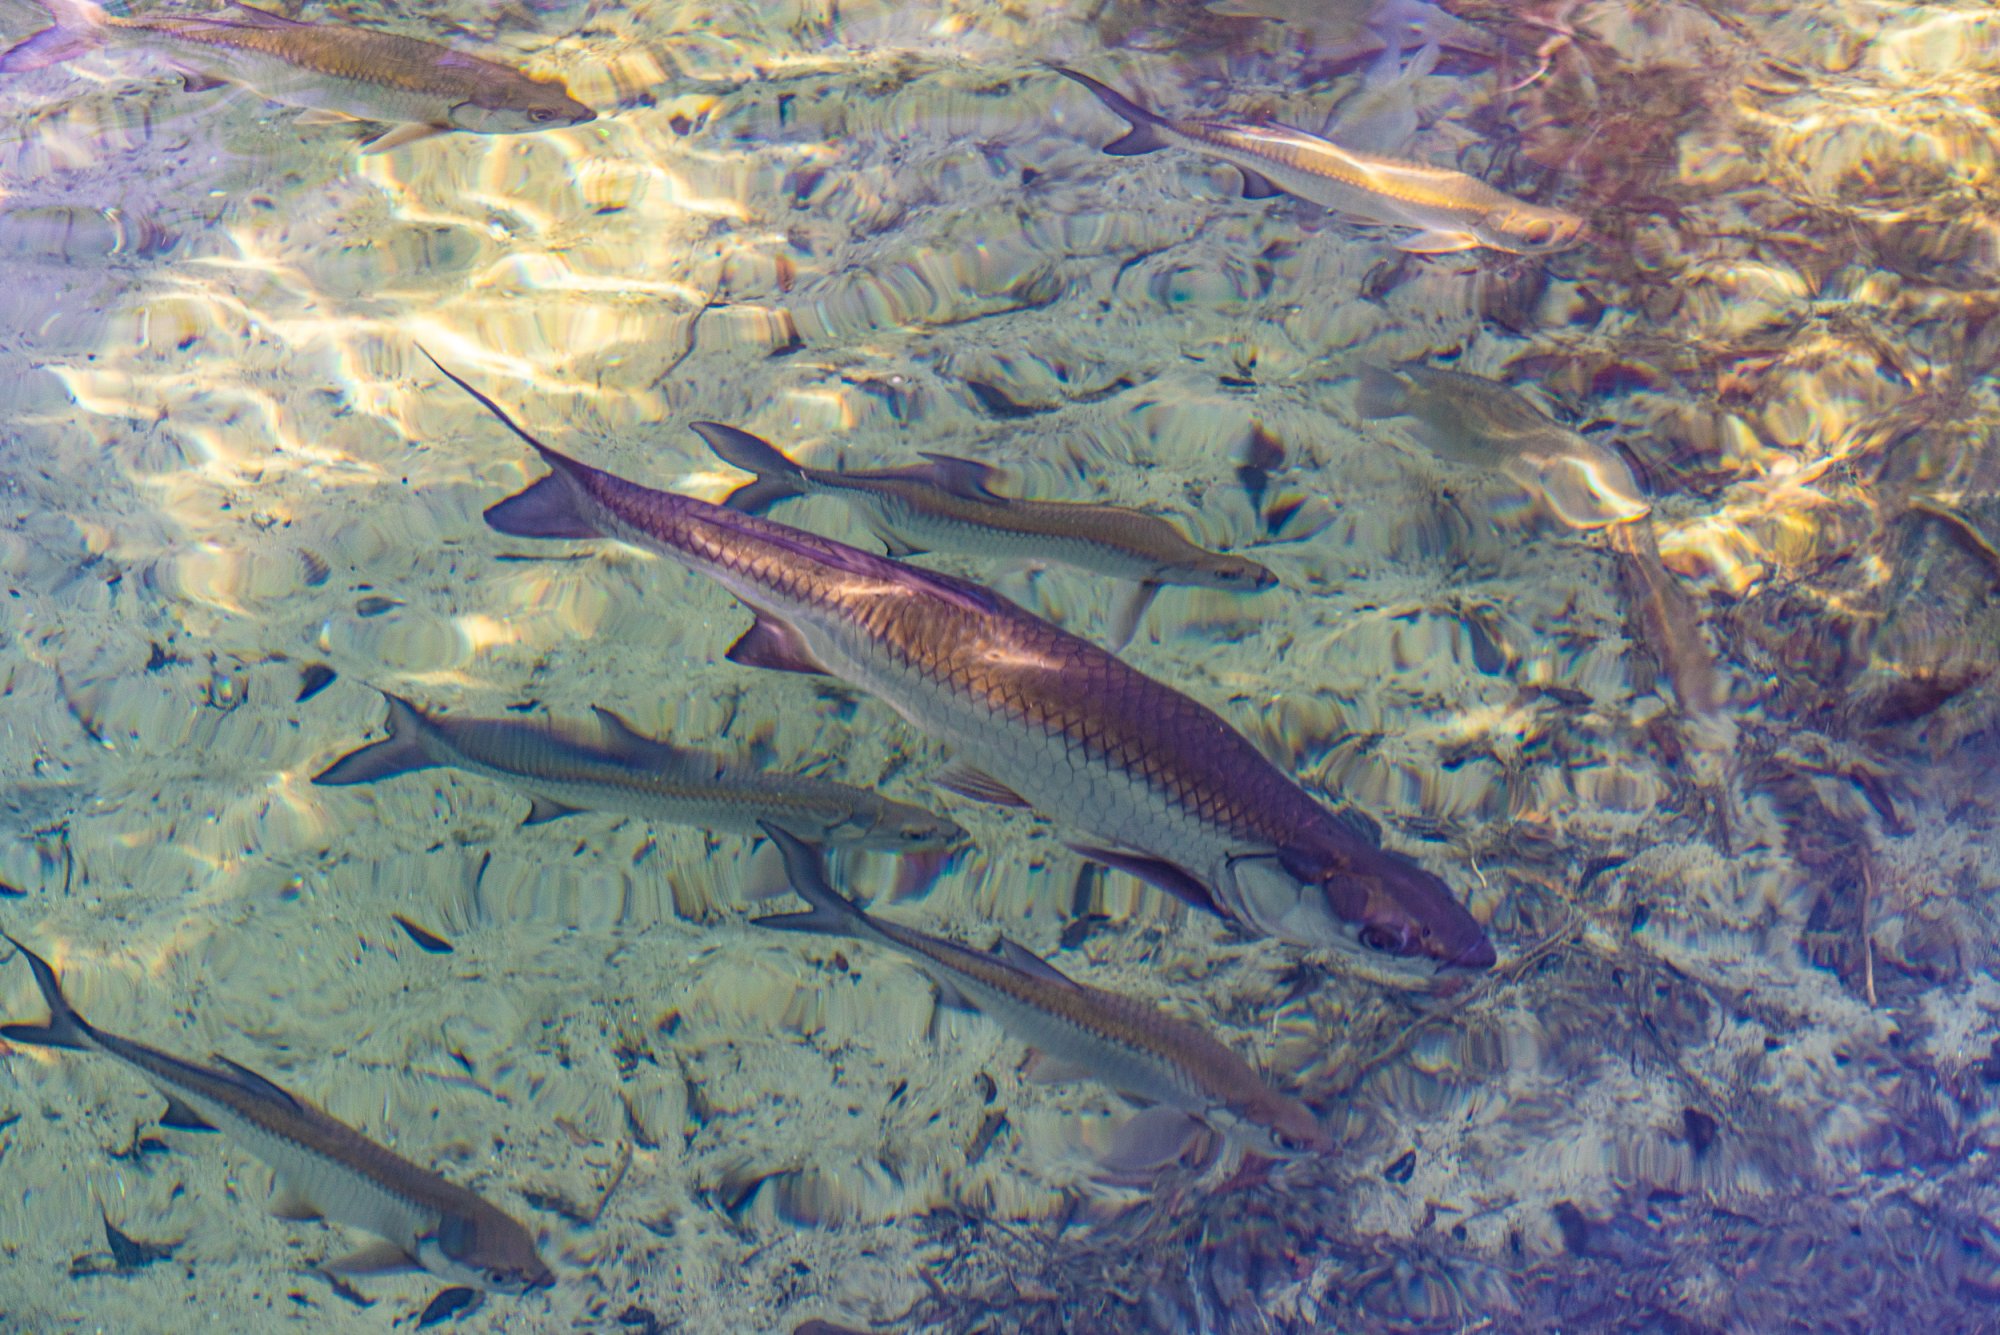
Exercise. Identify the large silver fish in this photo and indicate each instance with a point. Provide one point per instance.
(1077, 1030)
(323, 1166)
(565, 770)
(421, 88)
(1450, 210)
(1160, 785)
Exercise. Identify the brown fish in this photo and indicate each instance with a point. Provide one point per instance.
(421, 88)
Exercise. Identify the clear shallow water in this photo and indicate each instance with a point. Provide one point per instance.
(1732, 1070)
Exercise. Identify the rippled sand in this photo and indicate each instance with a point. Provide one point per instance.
(1735, 1061)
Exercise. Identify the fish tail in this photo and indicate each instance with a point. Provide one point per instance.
(1382, 393)
(778, 478)
(1145, 136)
(833, 914)
(78, 27)
(65, 1028)
(549, 508)
(400, 752)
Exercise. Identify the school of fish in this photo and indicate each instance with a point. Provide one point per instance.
(1137, 775)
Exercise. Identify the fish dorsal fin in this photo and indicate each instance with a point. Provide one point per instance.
(628, 744)
(1028, 962)
(254, 17)
(967, 478)
(261, 1086)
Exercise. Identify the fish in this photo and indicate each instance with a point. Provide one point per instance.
(1076, 1030)
(947, 504)
(324, 1167)
(419, 88)
(1468, 419)
(1450, 210)
(568, 769)
(1162, 787)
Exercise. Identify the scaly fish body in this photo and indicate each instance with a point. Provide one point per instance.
(1450, 209)
(565, 770)
(1123, 1043)
(946, 505)
(1471, 420)
(341, 1173)
(1042, 717)
(359, 72)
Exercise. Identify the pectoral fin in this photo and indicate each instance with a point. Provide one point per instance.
(1043, 1069)
(1435, 242)
(1128, 613)
(545, 809)
(1151, 1140)
(1257, 185)
(774, 644)
(401, 135)
(979, 786)
(377, 1258)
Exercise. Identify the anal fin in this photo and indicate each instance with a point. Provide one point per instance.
(776, 645)
(1256, 185)
(180, 1117)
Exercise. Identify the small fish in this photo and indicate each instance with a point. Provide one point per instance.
(947, 504)
(420, 88)
(566, 770)
(1469, 419)
(324, 1167)
(1450, 210)
(1077, 1031)
(1161, 786)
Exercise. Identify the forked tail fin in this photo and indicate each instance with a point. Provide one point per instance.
(65, 1028)
(1145, 136)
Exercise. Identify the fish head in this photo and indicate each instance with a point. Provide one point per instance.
(1396, 912)
(1591, 488)
(485, 1249)
(1530, 229)
(1274, 1125)
(520, 106)
(905, 829)
(1240, 574)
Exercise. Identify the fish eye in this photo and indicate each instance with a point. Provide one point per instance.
(1381, 939)
(913, 834)
(1290, 1143)
(541, 115)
